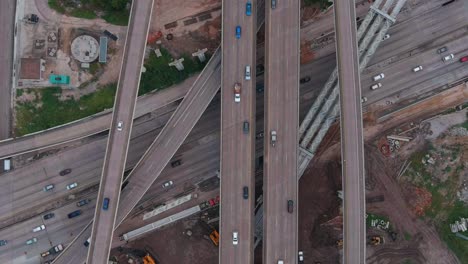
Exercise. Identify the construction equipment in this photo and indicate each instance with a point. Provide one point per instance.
(214, 236)
(148, 259)
(339, 244)
(376, 240)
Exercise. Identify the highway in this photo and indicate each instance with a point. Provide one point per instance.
(280, 181)
(352, 142)
(120, 131)
(7, 31)
(237, 161)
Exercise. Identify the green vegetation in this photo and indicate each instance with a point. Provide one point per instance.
(407, 261)
(114, 11)
(323, 4)
(465, 125)
(48, 110)
(407, 236)
(160, 75)
(19, 92)
(456, 244)
(94, 68)
(370, 217)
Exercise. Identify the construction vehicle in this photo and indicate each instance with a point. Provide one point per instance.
(214, 236)
(339, 244)
(376, 240)
(148, 259)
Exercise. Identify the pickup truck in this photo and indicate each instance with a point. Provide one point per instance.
(237, 91)
(53, 250)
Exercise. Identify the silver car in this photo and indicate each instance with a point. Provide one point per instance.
(72, 186)
(31, 241)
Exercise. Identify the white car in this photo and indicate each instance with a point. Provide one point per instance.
(363, 99)
(235, 238)
(448, 57)
(247, 72)
(120, 126)
(48, 187)
(39, 228)
(72, 186)
(167, 184)
(419, 68)
(376, 86)
(31, 241)
(378, 77)
(301, 256)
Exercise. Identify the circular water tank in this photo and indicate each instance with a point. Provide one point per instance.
(85, 48)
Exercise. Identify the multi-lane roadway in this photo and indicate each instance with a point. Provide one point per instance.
(120, 131)
(238, 132)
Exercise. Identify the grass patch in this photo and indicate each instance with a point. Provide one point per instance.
(48, 111)
(83, 13)
(465, 125)
(456, 244)
(119, 18)
(407, 236)
(55, 5)
(94, 68)
(323, 4)
(19, 92)
(160, 75)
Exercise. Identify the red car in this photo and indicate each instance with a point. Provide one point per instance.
(464, 59)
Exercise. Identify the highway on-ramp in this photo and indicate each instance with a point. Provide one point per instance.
(280, 180)
(237, 161)
(120, 131)
(352, 143)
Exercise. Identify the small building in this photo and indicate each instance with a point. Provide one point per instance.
(30, 69)
(59, 79)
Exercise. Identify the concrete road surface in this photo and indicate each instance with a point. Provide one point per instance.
(7, 29)
(237, 145)
(120, 131)
(281, 116)
(352, 142)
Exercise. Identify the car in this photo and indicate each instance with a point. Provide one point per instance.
(273, 137)
(245, 127)
(48, 216)
(304, 80)
(416, 69)
(247, 72)
(167, 184)
(48, 187)
(273, 4)
(105, 204)
(290, 206)
(464, 59)
(280, 261)
(379, 76)
(301, 256)
(442, 50)
(238, 32)
(120, 126)
(72, 186)
(245, 192)
(237, 91)
(39, 228)
(65, 172)
(235, 238)
(363, 99)
(376, 86)
(176, 163)
(74, 214)
(387, 36)
(448, 57)
(3, 242)
(82, 202)
(86, 243)
(31, 241)
(45, 254)
(248, 9)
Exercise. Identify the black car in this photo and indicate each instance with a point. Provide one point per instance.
(48, 216)
(65, 172)
(82, 202)
(246, 127)
(305, 79)
(442, 50)
(176, 163)
(245, 192)
(290, 206)
(74, 214)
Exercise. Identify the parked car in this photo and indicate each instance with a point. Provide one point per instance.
(248, 8)
(464, 59)
(176, 163)
(65, 172)
(48, 187)
(378, 77)
(376, 86)
(74, 214)
(238, 32)
(48, 216)
(167, 184)
(72, 186)
(82, 202)
(39, 228)
(31, 241)
(448, 57)
(442, 50)
(245, 127)
(105, 204)
(247, 72)
(290, 206)
(416, 69)
(305, 79)
(235, 238)
(245, 192)
(3, 242)
(120, 126)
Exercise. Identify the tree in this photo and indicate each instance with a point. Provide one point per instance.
(119, 4)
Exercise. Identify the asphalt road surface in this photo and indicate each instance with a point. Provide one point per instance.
(282, 116)
(352, 142)
(7, 27)
(120, 131)
(237, 145)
